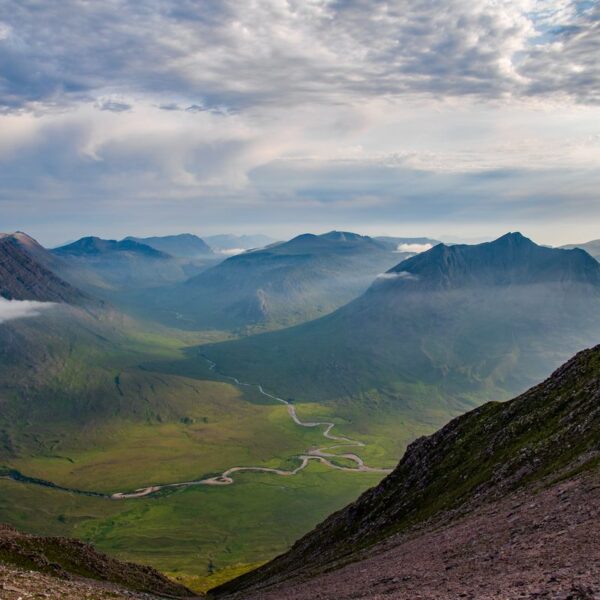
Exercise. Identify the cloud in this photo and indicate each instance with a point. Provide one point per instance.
(224, 53)
(181, 113)
(232, 251)
(398, 275)
(414, 248)
(112, 105)
(20, 309)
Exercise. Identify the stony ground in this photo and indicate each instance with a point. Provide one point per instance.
(19, 584)
(542, 546)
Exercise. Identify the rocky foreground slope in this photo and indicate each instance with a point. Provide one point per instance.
(52, 567)
(503, 502)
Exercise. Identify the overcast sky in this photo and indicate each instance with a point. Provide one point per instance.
(461, 118)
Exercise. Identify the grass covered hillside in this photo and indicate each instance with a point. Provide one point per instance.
(91, 404)
(547, 435)
(438, 333)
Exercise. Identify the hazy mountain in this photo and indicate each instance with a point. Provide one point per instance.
(232, 244)
(440, 330)
(592, 248)
(94, 246)
(60, 370)
(284, 283)
(184, 245)
(24, 272)
(495, 487)
(105, 266)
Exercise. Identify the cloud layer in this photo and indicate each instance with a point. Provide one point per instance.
(231, 115)
(20, 309)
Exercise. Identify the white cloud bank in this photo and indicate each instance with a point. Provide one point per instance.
(20, 309)
(398, 275)
(414, 248)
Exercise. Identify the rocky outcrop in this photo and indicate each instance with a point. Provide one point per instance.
(70, 559)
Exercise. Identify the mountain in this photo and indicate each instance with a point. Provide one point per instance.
(71, 567)
(95, 246)
(500, 503)
(285, 283)
(435, 334)
(24, 274)
(592, 248)
(184, 245)
(234, 244)
(111, 268)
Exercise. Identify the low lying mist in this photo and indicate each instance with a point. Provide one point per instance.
(19, 309)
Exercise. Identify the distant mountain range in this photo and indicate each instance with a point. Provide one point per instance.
(233, 244)
(592, 248)
(500, 503)
(283, 283)
(108, 267)
(95, 246)
(185, 245)
(437, 332)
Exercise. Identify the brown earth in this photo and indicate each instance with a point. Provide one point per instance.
(18, 584)
(542, 545)
(68, 568)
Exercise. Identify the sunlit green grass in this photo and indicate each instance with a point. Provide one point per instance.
(187, 531)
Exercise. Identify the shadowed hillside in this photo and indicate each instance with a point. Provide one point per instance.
(281, 284)
(451, 326)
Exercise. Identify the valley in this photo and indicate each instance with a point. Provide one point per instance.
(299, 300)
(206, 452)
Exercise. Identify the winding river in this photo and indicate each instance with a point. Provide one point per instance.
(320, 454)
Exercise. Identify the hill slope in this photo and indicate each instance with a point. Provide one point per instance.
(24, 274)
(548, 436)
(444, 328)
(65, 558)
(285, 283)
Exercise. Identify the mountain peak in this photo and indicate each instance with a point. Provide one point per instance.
(510, 259)
(342, 236)
(515, 238)
(92, 245)
(183, 245)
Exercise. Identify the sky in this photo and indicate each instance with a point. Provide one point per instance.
(460, 119)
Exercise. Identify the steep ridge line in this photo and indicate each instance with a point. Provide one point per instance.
(319, 454)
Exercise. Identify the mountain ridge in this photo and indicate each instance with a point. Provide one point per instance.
(425, 338)
(183, 245)
(23, 276)
(283, 283)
